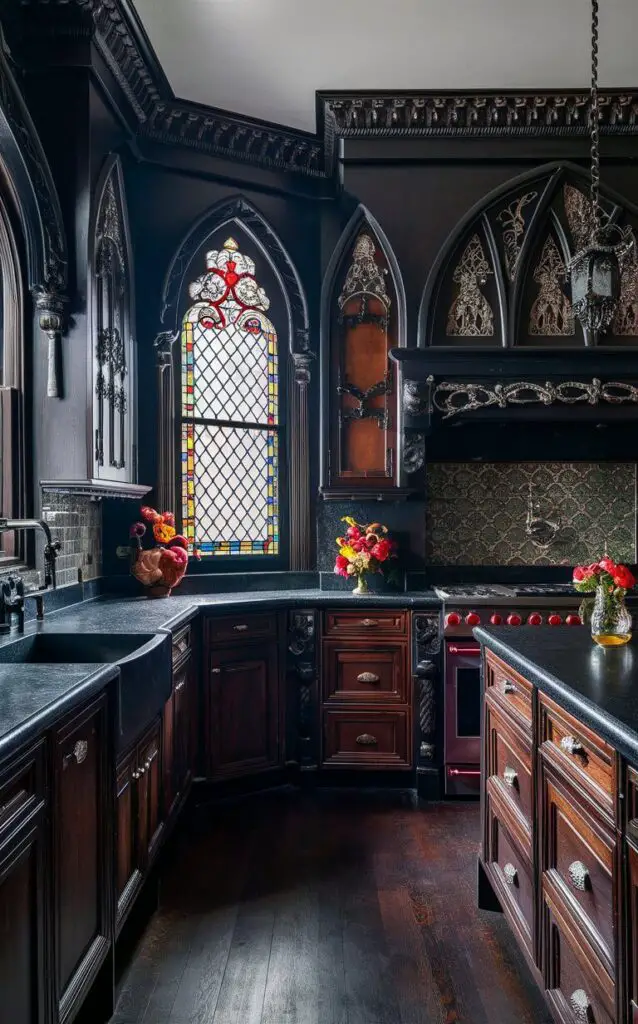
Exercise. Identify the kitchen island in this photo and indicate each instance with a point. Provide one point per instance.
(559, 789)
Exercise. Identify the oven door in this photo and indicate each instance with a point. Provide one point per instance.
(462, 715)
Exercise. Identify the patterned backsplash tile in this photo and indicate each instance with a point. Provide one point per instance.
(476, 513)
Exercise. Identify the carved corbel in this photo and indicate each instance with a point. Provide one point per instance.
(50, 306)
(413, 452)
(417, 397)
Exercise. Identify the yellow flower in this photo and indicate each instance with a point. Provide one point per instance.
(163, 532)
(347, 551)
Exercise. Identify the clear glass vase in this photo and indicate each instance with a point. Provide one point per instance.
(362, 585)
(610, 620)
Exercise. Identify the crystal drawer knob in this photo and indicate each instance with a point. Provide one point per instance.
(571, 745)
(578, 875)
(511, 874)
(581, 1006)
(510, 777)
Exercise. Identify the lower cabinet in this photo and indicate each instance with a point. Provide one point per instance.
(243, 709)
(179, 734)
(23, 891)
(632, 920)
(81, 852)
(139, 816)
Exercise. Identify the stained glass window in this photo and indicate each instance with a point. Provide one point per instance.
(230, 412)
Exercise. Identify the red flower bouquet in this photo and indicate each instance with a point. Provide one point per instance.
(162, 567)
(607, 614)
(363, 550)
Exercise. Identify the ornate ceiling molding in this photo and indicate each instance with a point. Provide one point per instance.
(425, 114)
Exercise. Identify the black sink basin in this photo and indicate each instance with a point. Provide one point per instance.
(144, 661)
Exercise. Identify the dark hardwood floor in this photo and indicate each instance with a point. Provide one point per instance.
(327, 909)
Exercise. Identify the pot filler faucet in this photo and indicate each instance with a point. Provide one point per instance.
(12, 595)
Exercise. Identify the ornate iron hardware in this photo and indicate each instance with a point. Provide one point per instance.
(454, 398)
(571, 745)
(78, 754)
(511, 874)
(366, 740)
(367, 677)
(363, 410)
(579, 875)
(510, 776)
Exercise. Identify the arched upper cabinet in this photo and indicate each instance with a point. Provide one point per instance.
(363, 317)
(113, 348)
(501, 279)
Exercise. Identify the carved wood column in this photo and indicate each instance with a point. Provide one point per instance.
(165, 491)
(299, 452)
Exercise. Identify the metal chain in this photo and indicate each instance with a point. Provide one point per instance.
(593, 121)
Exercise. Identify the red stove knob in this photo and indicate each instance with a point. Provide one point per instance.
(496, 619)
(473, 619)
(573, 620)
(513, 619)
(554, 620)
(535, 619)
(453, 619)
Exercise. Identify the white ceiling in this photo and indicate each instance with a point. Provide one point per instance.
(266, 58)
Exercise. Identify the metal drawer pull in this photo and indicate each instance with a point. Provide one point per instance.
(511, 874)
(369, 622)
(215, 671)
(571, 745)
(366, 740)
(580, 1005)
(182, 684)
(78, 754)
(579, 875)
(367, 677)
(240, 629)
(510, 776)
(507, 686)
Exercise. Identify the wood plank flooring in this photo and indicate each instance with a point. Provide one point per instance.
(333, 908)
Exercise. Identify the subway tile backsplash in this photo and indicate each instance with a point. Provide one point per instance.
(76, 522)
(476, 513)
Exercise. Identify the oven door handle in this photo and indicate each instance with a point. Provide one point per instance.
(474, 652)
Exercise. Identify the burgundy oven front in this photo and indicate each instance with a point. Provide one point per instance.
(462, 717)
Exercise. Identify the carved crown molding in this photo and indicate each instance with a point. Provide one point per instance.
(366, 115)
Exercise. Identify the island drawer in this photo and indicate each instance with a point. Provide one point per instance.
(509, 868)
(367, 738)
(22, 787)
(366, 622)
(578, 857)
(365, 673)
(513, 692)
(580, 754)
(240, 627)
(578, 986)
(509, 762)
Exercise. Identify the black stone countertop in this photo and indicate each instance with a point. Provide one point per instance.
(32, 696)
(597, 685)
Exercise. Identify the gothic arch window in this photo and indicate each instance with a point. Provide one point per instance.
(501, 279)
(231, 410)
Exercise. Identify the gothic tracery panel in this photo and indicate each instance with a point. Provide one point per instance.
(470, 314)
(514, 222)
(551, 313)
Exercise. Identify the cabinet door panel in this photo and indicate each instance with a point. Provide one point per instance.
(150, 818)
(357, 672)
(510, 871)
(632, 920)
(22, 965)
(126, 857)
(81, 847)
(243, 706)
(184, 720)
(366, 738)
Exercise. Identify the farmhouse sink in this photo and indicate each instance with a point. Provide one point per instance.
(144, 661)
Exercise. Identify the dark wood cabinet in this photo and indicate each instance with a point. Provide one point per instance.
(243, 709)
(24, 891)
(82, 852)
(140, 816)
(631, 905)
(179, 735)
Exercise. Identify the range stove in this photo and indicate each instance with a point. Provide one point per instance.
(464, 607)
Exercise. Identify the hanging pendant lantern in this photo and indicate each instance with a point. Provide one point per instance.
(596, 268)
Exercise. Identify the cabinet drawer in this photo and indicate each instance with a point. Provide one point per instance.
(509, 762)
(580, 754)
(182, 642)
(357, 673)
(511, 873)
(579, 989)
(364, 623)
(579, 855)
(22, 788)
(241, 627)
(512, 691)
(374, 739)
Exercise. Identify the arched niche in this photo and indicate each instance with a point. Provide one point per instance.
(501, 277)
(363, 316)
(239, 218)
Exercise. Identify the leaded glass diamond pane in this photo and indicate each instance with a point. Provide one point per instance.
(230, 374)
(235, 490)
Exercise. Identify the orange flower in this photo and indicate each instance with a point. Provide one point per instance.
(163, 532)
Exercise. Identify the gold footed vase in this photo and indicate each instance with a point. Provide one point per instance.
(610, 620)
